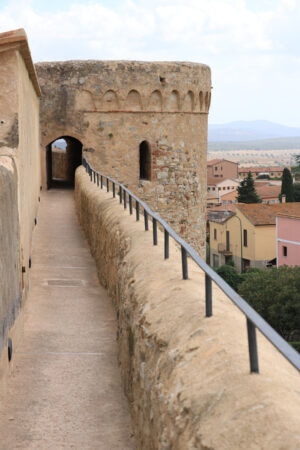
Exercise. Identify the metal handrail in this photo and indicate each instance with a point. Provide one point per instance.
(254, 320)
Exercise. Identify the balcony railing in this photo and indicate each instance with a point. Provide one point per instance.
(253, 319)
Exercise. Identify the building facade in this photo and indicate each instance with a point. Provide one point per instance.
(248, 237)
(288, 239)
(273, 172)
(222, 168)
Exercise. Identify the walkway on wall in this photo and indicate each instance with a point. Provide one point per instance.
(65, 391)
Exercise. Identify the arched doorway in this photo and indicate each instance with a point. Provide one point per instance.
(63, 156)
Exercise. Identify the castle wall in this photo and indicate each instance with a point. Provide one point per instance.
(19, 182)
(28, 161)
(186, 376)
(111, 107)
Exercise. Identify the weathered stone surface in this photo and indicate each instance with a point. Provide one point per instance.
(186, 377)
(113, 106)
(20, 170)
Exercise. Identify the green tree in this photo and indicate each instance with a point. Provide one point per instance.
(230, 275)
(247, 192)
(297, 192)
(287, 187)
(275, 295)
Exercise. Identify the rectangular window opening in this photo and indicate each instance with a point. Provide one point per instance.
(245, 238)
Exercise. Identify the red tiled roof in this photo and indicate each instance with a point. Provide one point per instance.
(212, 181)
(216, 161)
(213, 161)
(231, 207)
(265, 214)
(289, 216)
(268, 191)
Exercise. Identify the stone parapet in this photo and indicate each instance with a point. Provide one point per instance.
(186, 377)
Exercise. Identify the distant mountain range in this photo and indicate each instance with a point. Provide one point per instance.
(249, 131)
(253, 135)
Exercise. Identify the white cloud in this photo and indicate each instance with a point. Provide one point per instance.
(248, 49)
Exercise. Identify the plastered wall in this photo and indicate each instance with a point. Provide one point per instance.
(20, 179)
(186, 377)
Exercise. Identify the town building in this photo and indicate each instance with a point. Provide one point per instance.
(288, 238)
(221, 185)
(222, 168)
(248, 237)
(273, 172)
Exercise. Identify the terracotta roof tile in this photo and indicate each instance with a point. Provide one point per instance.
(265, 214)
(212, 181)
(213, 161)
(268, 191)
(231, 207)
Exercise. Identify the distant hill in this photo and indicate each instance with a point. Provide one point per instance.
(241, 131)
(285, 143)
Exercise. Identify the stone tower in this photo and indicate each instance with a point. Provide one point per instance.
(144, 124)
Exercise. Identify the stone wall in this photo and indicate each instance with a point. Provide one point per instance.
(186, 377)
(112, 107)
(20, 179)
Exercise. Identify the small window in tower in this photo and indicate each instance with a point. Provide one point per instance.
(145, 161)
(284, 249)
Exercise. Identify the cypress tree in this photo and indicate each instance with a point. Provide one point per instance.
(287, 187)
(247, 192)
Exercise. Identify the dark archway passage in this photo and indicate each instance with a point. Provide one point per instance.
(63, 156)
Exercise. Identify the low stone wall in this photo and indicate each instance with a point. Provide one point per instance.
(186, 377)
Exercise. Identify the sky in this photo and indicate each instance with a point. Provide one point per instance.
(252, 46)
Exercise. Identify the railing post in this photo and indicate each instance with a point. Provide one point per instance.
(114, 189)
(101, 181)
(130, 204)
(125, 200)
(252, 344)
(146, 220)
(208, 296)
(184, 263)
(98, 179)
(166, 244)
(120, 193)
(154, 223)
(94, 177)
(137, 210)
(107, 185)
